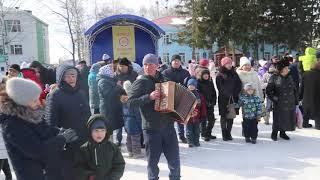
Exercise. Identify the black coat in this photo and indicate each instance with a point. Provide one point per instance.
(176, 75)
(283, 93)
(311, 93)
(84, 73)
(207, 89)
(68, 107)
(32, 145)
(139, 97)
(229, 85)
(110, 104)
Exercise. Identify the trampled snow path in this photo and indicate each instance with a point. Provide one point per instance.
(296, 159)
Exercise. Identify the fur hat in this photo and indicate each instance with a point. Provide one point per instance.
(22, 91)
(262, 62)
(151, 59)
(244, 61)
(124, 61)
(284, 62)
(226, 60)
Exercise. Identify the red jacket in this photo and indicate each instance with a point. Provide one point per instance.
(31, 74)
(201, 108)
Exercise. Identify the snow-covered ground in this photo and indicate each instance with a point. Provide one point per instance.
(296, 159)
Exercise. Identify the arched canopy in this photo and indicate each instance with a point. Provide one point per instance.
(123, 19)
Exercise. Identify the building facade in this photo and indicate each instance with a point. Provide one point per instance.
(168, 46)
(24, 37)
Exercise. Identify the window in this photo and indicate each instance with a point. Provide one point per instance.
(166, 39)
(267, 56)
(13, 25)
(1, 50)
(16, 49)
(166, 58)
(183, 57)
(2, 69)
(197, 57)
(204, 55)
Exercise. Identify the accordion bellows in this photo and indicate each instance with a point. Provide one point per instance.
(176, 100)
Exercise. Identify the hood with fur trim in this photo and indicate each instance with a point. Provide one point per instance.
(9, 108)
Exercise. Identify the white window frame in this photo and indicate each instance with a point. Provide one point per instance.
(14, 49)
(166, 58)
(13, 25)
(183, 57)
(267, 55)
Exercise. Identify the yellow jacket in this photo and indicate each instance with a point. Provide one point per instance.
(309, 59)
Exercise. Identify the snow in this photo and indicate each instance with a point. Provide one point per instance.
(296, 159)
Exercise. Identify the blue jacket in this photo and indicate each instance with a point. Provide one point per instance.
(32, 145)
(110, 104)
(251, 106)
(68, 107)
(93, 86)
(132, 119)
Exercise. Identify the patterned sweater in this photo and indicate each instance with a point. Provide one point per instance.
(251, 106)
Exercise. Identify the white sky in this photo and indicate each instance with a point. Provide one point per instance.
(57, 30)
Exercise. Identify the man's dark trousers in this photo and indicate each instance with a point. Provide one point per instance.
(162, 141)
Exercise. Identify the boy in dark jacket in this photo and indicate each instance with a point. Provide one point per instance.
(193, 126)
(251, 112)
(99, 159)
(207, 89)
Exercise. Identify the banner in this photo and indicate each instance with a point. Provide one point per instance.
(124, 42)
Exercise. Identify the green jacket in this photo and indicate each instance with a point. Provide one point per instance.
(102, 160)
(309, 59)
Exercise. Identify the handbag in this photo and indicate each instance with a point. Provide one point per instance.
(231, 110)
(299, 117)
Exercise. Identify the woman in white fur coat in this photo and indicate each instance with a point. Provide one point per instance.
(248, 75)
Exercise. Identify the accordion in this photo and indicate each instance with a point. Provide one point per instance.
(176, 100)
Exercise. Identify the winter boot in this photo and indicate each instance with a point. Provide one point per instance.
(224, 135)
(183, 140)
(274, 135)
(254, 141)
(212, 137)
(248, 140)
(284, 136)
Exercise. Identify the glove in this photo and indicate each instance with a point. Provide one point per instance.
(70, 135)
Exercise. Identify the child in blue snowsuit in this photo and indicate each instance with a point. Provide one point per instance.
(251, 112)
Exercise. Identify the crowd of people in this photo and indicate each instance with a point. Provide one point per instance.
(68, 123)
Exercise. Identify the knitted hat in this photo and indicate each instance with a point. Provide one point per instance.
(22, 91)
(262, 62)
(284, 62)
(71, 71)
(106, 70)
(175, 57)
(192, 82)
(226, 60)
(124, 61)
(244, 61)
(151, 59)
(127, 86)
(98, 124)
(15, 67)
(204, 62)
(248, 86)
(106, 57)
